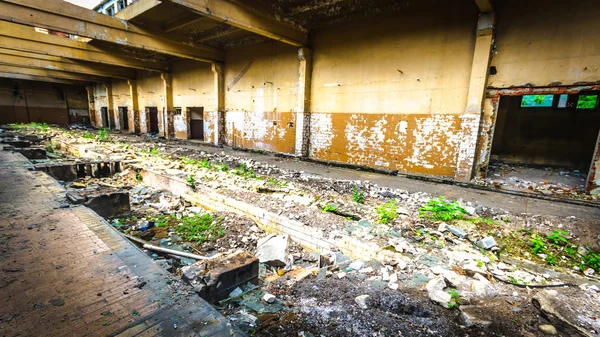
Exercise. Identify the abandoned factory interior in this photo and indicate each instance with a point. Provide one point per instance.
(299, 168)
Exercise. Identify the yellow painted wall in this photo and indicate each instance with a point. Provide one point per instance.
(259, 107)
(150, 88)
(389, 91)
(121, 98)
(192, 87)
(541, 42)
(44, 102)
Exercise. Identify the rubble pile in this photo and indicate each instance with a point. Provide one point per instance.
(443, 268)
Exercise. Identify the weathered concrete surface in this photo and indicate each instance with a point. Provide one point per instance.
(215, 279)
(108, 204)
(66, 272)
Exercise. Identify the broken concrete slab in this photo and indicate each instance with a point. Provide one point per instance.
(109, 204)
(33, 152)
(273, 250)
(487, 243)
(215, 279)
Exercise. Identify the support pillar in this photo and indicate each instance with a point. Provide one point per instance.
(91, 95)
(219, 92)
(112, 118)
(168, 109)
(471, 119)
(303, 102)
(134, 114)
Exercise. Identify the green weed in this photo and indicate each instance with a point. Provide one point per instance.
(484, 220)
(557, 238)
(244, 171)
(330, 207)
(537, 244)
(223, 167)
(440, 210)
(551, 259)
(274, 181)
(387, 212)
(200, 228)
(358, 196)
(455, 302)
(592, 260)
(88, 135)
(103, 135)
(191, 181)
(138, 176)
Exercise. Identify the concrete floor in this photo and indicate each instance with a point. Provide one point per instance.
(66, 272)
(497, 200)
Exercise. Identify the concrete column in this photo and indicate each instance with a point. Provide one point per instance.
(91, 95)
(113, 119)
(303, 102)
(219, 92)
(593, 179)
(169, 111)
(471, 119)
(134, 111)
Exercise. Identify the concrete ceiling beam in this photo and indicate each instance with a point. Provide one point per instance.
(56, 74)
(41, 79)
(18, 37)
(29, 60)
(240, 16)
(67, 18)
(485, 6)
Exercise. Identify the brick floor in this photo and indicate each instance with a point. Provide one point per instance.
(66, 272)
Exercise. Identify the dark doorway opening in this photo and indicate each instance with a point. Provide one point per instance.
(545, 142)
(153, 112)
(124, 118)
(104, 113)
(196, 122)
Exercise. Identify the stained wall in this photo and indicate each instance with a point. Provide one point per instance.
(42, 102)
(261, 90)
(193, 87)
(389, 92)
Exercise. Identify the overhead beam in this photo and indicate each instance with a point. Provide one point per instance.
(31, 60)
(51, 74)
(67, 18)
(18, 37)
(41, 78)
(237, 15)
(179, 23)
(485, 6)
(136, 9)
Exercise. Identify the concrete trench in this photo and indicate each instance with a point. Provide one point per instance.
(310, 238)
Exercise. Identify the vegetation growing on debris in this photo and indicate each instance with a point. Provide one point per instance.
(330, 207)
(555, 249)
(244, 171)
(455, 302)
(200, 228)
(88, 135)
(191, 181)
(103, 135)
(387, 212)
(138, 176)
(358, 196)
(440, 210)
(38, 126)
(274, 181)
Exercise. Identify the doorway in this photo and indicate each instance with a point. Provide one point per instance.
(124, 118)
(153, 112)
(196, 122)
(545, 141)
(104, 114)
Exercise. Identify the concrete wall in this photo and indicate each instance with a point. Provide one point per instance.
(121, 98)
(150, 89)
(262, 84)
(390, 94)
(192, 87)
(543, 42)
(31, 101)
